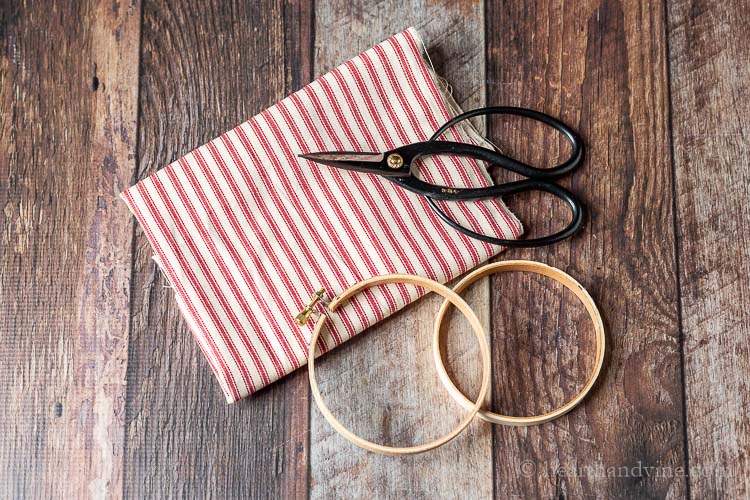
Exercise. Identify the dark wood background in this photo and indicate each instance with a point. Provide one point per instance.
(103, 392)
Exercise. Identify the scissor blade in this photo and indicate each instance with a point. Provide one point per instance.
(371, 163)
(343, 156)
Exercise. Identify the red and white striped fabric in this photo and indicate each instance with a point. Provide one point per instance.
(246, 232)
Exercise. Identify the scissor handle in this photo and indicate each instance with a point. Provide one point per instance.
(575, 206)
(519, 167)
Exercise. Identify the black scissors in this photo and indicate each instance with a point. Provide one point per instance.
(396, 166)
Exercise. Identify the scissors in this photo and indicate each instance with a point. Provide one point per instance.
(396, 166)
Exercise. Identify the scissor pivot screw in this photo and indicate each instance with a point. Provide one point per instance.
(395, 161)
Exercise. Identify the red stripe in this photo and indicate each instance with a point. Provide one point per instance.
(453, 131)
(206, 270)
(457, 135)
(239, 198)
(384, 190)
(314, 229)
(268, 218)
(188, 270)
(374, 240)
(405, 198)
(445, 174)
(403, 139)
(362, 190)
(225, 374)
(219, 260)
(293, 259)
(269, 184)
(321, 213)
(300, 268)
(457, 164)
(390, 143)
(323, 185)
(438, 160)
(236, 258)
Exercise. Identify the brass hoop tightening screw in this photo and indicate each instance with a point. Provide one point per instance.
(305, 313)
(395, 161)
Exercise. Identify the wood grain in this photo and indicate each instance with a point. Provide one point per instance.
(601, 67)
(67, 132)
(710, 70)
(205, 68)
(105, 393)
(357, 379)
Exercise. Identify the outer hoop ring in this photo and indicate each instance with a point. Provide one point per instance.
(537, 268)
(451, 298)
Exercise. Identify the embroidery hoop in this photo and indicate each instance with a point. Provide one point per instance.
(537, 268)
(451, 298)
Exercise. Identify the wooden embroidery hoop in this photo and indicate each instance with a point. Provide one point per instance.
(545, 270)
(451, 298)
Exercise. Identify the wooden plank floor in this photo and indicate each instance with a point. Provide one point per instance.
(104, 393)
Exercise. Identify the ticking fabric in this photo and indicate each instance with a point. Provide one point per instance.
(246, 232)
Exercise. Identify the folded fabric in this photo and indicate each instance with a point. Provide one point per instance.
(247, 232)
